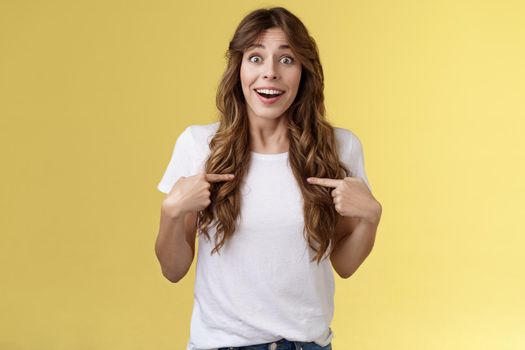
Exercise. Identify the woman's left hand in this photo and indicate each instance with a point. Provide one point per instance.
(352, 197)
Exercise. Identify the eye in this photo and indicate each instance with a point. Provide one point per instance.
(290, 60)
(252, 57)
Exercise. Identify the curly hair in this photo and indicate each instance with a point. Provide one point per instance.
(312, 142)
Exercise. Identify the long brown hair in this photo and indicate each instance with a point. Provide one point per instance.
(313, 147)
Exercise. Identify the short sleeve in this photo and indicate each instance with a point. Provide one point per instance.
(181, 162)
(357, 160)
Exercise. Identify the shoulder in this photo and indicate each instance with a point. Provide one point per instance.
(347, 140)
(200, 132)
(196, 138)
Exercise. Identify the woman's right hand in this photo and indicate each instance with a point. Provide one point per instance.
(191, 194)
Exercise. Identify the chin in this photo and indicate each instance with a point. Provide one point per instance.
(269, 115)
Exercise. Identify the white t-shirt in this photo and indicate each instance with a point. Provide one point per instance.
(262, 287)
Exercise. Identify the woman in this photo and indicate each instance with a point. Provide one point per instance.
(263, 280)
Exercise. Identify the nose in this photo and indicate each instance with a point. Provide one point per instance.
(271, 72)
(270, 76)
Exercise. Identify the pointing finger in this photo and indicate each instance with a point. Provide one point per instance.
(219, 177)
(324, 181)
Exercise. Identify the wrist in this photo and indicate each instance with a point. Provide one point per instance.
(374, 215)
(173, 210)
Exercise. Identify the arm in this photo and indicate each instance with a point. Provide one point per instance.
(354, 241)
(175, 244)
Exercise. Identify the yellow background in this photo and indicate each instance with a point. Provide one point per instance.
(94, 93)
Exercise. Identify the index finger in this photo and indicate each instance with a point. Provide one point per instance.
(218, 177)
(323, 181)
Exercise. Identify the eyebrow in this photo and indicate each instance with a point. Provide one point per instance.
(284, 46)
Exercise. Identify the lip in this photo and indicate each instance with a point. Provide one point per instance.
(269, 88)
(269, 101)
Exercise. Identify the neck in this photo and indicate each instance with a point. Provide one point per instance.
(269, 135)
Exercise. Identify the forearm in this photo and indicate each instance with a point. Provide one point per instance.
(174, 253)
(353, 249)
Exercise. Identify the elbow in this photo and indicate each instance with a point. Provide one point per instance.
(345, 275)
(169, 274)
(170, 277)
(348, 275)
(348, 270)
(343, 270)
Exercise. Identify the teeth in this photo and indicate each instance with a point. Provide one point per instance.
(269, 92)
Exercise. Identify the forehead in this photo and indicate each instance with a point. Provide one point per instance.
(273, 37)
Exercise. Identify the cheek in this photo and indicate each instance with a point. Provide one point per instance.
(295, 79)
(242, 76)
(246, 79)
(299, 77)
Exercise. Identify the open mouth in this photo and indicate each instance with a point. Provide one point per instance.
(269, 97)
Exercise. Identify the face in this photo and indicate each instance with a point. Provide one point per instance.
(270, 75)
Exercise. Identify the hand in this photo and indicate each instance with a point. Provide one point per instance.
(352, 197)
(192, 194)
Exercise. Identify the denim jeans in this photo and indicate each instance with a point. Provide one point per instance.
(282, 344)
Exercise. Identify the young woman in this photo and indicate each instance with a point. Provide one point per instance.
(273, 191)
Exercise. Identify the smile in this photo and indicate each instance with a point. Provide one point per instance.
(269, 96)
